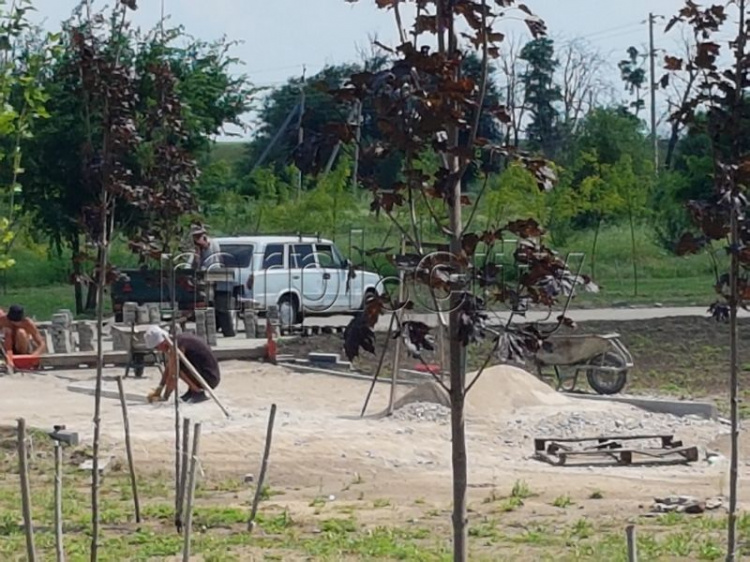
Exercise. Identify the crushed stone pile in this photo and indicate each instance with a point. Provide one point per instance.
(423, 412)
(618, 420)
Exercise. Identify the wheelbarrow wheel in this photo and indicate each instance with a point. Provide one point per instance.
(607, 381)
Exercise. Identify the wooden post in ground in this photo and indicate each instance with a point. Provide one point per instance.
(23, 470)
(191, 492)
(59, 551)
(263, 468)
(129, 450)
(183, 473)
(632, 543)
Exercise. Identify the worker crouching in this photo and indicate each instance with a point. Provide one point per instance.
(197, 352)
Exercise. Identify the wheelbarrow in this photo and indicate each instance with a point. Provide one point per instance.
(603, 357)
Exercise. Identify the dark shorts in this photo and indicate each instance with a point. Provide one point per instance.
(211, 381)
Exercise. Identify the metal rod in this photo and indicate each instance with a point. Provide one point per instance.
(380, 364)
(632, 543)
(397, 352)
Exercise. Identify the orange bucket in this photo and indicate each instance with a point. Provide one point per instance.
(26, 362)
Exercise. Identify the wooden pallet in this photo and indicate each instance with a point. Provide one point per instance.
(307, 331)
(612, 448)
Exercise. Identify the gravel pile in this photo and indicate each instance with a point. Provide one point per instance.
(423, 412)
(611, 423)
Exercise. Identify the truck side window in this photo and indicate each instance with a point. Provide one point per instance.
(302, 256)
(327, 257)
(273, 256)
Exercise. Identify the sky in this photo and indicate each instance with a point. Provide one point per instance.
(281, 37)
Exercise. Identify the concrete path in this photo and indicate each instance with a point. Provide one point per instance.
(577, 315)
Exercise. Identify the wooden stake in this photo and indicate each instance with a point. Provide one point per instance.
(23, 470)
(191, 493)
(59, 551)
(632, 543)
(263, 468)
(129, 449)
(183, 473)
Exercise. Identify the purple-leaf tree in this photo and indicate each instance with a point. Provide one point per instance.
(718, 103)
(424, 104)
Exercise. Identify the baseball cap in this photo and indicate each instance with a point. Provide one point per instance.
(154, 336)
(197, 230)
(15, 313)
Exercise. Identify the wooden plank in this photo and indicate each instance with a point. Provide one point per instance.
(624, 456)
(540, 443)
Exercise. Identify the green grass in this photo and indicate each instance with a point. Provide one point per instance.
(39, 280)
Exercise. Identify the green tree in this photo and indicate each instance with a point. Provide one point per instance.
(24, 53)
(198, 74)
(633, 74)
(541, 95)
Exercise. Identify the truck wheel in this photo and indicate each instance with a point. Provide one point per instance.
(288, 312)
(224, 323)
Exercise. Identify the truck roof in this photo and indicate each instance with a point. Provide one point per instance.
(270, 239)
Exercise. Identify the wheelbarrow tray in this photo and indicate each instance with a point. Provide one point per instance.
(574, 350)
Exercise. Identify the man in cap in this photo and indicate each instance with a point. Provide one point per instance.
(197, 352)
(20, 334)
(206, 250)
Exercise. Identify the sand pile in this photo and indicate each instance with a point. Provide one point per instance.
(499, 391)
(503, 389)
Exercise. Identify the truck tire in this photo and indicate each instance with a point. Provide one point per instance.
(225, 323)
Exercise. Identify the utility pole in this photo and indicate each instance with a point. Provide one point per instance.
(652, 57)
(301, 129)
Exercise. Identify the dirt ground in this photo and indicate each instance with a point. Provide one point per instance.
(322, 449)
(683, 356)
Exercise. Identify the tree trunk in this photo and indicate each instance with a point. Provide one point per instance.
(734, 390)
(75, 245)
(458, 386)
(92, 299)
(100, 282)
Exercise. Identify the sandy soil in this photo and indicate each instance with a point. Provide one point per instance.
(321, 443)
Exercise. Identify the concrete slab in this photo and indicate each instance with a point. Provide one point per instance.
(88, 388)
(658, 405)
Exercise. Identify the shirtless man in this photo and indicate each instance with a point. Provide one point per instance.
(21, 334)
(197, 352)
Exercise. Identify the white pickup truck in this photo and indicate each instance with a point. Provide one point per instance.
(303, 275)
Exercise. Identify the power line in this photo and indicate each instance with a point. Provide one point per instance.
(610, 30)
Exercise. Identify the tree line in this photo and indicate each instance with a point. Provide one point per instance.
(551, 98)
